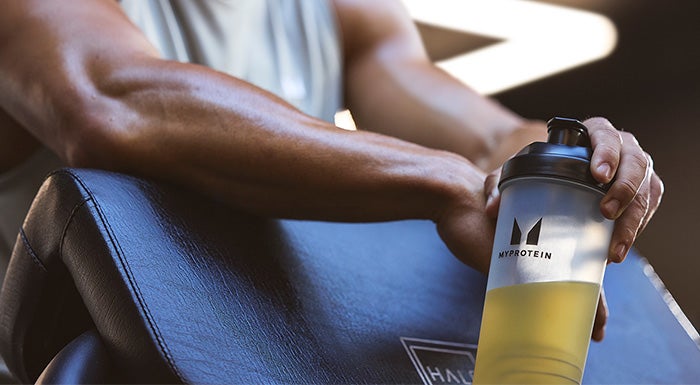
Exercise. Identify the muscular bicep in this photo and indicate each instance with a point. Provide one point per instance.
(53, 55)
(393, 88)
(384, 53)
(378, 28)
(377, 36)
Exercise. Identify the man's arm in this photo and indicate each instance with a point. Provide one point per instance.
(393, 88)
(85, 82)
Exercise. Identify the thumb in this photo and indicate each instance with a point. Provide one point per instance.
(493, 195)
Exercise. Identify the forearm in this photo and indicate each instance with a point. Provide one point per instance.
(393, 88)
(422, 104)
(225, 138)
(122, 108)
(193, 126)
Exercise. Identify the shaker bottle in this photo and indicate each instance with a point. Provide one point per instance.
(547, 263)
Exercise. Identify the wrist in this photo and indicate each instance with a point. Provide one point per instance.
(456, 184)
(527, 132)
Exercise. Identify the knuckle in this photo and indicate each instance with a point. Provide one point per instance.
(600, 127)
(608, 151)
(491, 183)
(640, 160)
(598, 121)
(608, 148)
(627, 188)
(629, 138)
(658, 186)
(627, 230)
(608, 136)
(641, 204)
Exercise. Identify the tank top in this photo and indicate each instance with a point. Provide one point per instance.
(288, 47)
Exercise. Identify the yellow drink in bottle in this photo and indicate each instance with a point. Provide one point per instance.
(527, 333)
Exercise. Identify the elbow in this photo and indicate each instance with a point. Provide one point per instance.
(94, 134)
(107, 125)
(91, 148)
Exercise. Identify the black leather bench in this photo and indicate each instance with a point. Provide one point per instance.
(120, 279)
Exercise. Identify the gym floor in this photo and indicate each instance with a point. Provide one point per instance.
(648, 85)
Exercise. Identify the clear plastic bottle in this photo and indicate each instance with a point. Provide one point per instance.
(547, 264)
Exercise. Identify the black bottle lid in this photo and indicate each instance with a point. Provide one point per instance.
(566, 155)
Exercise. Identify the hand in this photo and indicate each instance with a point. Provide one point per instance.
(631, 201)
(464, 225)
(636, 191)
(634, 195)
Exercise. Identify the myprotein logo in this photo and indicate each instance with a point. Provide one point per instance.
(532, 238)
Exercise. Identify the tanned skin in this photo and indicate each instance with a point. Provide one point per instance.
(79, 78)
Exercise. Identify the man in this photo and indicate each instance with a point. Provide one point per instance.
(82, 80)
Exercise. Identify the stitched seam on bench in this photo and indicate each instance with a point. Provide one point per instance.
(68, 221)
(120, 253)
(31, 251)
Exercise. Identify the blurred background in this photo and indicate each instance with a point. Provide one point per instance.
(643, 74)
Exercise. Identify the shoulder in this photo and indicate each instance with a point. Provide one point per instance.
(367, 24)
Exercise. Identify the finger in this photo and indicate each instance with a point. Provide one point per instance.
(631, 174)
(628, 225)
(607, 145)
(493, 195)
(469, 235)
(656, 192)
(601, 318)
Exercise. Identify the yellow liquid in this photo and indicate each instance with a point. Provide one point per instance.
(536, 333)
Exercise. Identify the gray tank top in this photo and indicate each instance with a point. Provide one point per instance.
(288, 47)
